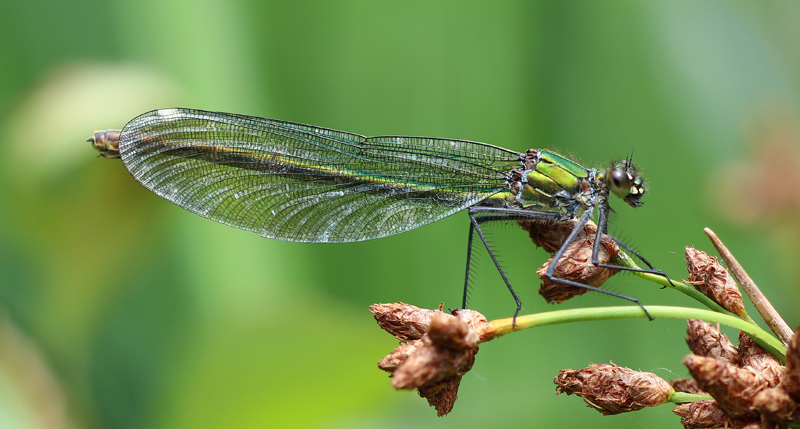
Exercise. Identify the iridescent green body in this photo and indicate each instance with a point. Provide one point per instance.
(551, 176)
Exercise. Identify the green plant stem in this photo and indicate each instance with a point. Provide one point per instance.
(683, 397)
(504, 326)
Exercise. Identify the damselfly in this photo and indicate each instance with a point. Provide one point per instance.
(297, 182)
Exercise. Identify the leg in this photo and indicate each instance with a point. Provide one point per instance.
(474, 226)
(469, 260)
(497, 214)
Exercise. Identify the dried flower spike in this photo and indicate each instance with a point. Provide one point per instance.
(703, 414)
(550, 235)
(704, 339)
(435, 362)
(686, 385)
(756, 359)
(791, 378)
(611, 389)
(734, 388)
(399, 355)
(576, 263)
(776, 405)
(708, 276)
(406, 322)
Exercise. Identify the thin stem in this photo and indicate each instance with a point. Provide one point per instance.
(683, 397)
(504, 326)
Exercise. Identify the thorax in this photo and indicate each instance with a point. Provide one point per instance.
(546, 181)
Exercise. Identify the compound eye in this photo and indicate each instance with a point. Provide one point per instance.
(620, 182)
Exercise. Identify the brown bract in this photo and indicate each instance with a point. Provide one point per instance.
(704, 339)
(776, 406)
(686, 385)
(550, 235)
(703, 414)
(749, 385)
(708, 276)
(734, 388)
(611, 389)
(434, 362)
(576, 263)
(756, 359)
(791, 378)
(404, 321)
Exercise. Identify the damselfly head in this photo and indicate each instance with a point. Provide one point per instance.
(107, 142)
(623, 180)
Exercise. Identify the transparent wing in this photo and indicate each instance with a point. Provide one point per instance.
(298, 182)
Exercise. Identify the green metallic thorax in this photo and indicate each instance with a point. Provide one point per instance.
(546, 181)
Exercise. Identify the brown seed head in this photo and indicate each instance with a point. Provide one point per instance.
(734, 388)
(611, 389)
(686, 385)
(550, 235)
(429, 364)
(756, 359)
(708, 276)
(791, 378)
(405, 321)
(451, 333)
(399, 355)
(441, 396)
(777, 406)
(477, 321)
(706, 340)
(434, 363)
(703, 414)
(576, 265)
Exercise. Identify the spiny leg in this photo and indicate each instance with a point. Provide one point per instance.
(474, 226)
(469, 260)
(495, 214)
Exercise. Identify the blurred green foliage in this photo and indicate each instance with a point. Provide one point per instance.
(119, 310)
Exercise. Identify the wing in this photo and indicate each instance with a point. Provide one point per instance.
(298, 182)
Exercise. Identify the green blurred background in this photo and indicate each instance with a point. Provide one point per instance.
(120, 310)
